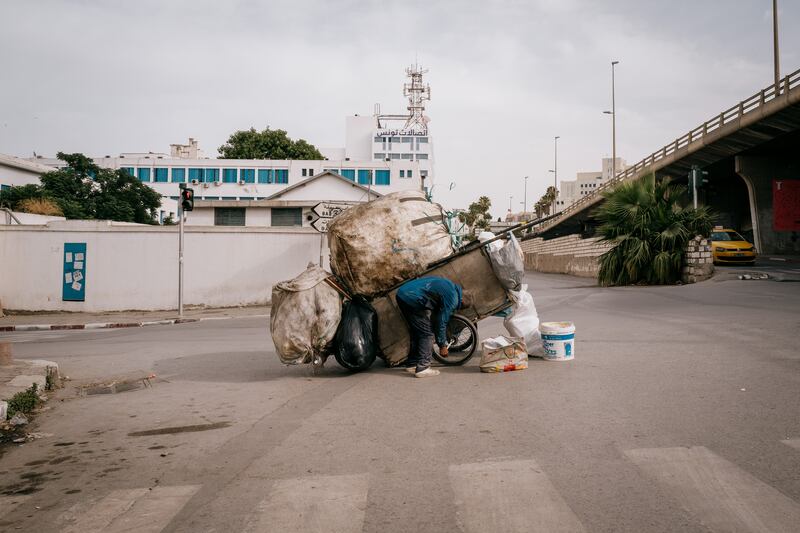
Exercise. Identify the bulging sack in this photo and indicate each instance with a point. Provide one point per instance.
(524, 320)
(379, 244)
(356, 344)
(304, 316)
(508, 262)
(503, 354)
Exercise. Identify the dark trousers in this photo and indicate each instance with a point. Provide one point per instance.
(421, 331)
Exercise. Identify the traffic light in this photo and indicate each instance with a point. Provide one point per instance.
(187, 199)
(697, 177)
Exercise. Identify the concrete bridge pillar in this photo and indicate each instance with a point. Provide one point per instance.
(764, 177)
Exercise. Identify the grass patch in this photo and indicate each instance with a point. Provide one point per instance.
(24, 402)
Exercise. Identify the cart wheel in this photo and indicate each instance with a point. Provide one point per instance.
(463, 336)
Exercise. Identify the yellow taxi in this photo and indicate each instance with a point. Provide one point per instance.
(728, 247)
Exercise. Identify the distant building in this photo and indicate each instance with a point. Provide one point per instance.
(586, 183)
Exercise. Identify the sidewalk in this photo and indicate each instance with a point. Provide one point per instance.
(122, 319)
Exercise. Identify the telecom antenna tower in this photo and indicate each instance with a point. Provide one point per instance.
(417, 93)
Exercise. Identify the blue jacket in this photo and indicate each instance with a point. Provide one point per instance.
(440, 295)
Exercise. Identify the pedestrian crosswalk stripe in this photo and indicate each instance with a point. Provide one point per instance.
(794, 443)
(509, 496)
(717, 492)
(9, 503)
(313, 504)
(142, 510)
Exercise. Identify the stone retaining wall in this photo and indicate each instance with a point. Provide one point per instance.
(565, 255)
(698, 262)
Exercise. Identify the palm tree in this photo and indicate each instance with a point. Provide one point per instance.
(650, 227)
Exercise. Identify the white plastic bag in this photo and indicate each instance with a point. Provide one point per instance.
(508, 262)
(524, 320)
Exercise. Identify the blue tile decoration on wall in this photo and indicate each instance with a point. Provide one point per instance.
(74, 280)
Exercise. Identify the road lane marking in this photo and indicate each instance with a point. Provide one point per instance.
(141, 510)
(9, 503)
(794, 443)
(313, 504)
(720, 494)
(509, 496)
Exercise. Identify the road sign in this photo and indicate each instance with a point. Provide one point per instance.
(321, 224)
(329, 209)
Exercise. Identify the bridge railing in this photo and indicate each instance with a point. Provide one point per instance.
(748, 105)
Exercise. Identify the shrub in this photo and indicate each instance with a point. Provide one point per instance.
(40, 206)
(647, 221)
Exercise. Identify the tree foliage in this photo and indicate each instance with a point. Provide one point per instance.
(477, 216)
(647, 222)
(86, 191)
(545, 203)
(266, 144)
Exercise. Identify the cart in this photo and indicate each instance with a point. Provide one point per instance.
(471, 268)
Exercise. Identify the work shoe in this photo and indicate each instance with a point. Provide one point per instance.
(411, 369)
(427, 373)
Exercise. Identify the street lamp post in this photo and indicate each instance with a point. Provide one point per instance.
(525, 201)
(510, 198)
(555, 172)
(613, 114)
(775, 45)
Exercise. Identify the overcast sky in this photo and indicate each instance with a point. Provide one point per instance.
(506, 76)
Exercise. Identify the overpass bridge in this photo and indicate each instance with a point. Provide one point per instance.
(745, 149)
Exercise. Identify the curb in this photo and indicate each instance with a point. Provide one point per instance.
(115, 325)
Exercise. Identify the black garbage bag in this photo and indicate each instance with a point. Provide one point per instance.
(356, 341)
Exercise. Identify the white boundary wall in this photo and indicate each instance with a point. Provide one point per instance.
(136, 267)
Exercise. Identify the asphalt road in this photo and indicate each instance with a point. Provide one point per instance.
(679, 413)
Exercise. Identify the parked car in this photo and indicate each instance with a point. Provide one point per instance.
(728, 247)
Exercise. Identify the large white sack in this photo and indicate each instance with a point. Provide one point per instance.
(305, 314)
(524, 320)
(379, 244)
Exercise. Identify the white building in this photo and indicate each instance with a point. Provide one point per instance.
(15, 171)
(384, 153)
(586, 183)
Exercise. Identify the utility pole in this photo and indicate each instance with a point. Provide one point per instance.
(775, 46)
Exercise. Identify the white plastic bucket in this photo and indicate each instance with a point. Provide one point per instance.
(558, 340)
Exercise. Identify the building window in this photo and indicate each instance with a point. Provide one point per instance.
(229, 175)
(310, 171)
(161, 175)
(229, 216)
(304, 173)
(195, 174)
(382, 177)
(378, 156)
(394, 140)
(178, 175)
(407, 156)
(265, 175)
(379, 139)
(410, 174)
(402, 173)
(247, 175)
(422, 139)
(349, 173)
(287, 216)
(406, 140)
(336, 170)
(364, 177)
(129, 170)
(422, 156)
(281, 175)
(211, 175)
(395, 156)
(143, 174)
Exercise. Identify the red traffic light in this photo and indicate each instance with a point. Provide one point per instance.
(187, 199)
